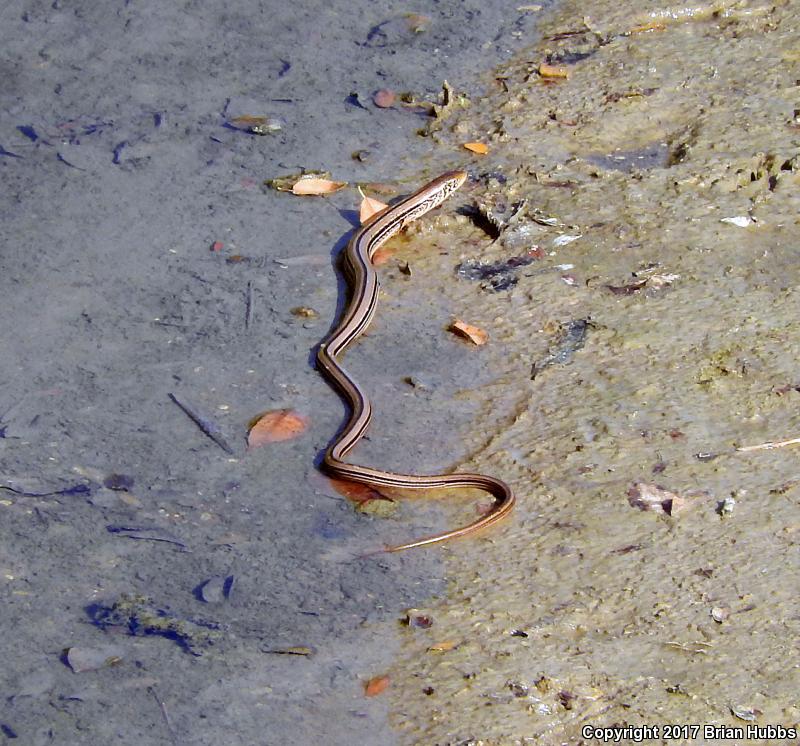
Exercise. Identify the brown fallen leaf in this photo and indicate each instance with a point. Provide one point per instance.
(314, 186)
(354, 491)
(442, 647)
(246, 121)
(650, 26)
(302, 650)
(474, 334)
(273, 426)
(418, 23)
(384, 98)
(629, 289)
(553, 71)
(287, 182)
(477, 147)
(369, 207)
(376, 686)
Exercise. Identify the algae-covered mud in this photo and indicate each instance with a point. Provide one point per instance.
(630, 245)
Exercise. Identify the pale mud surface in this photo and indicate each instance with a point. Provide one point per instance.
(207, 597)
(584, 609)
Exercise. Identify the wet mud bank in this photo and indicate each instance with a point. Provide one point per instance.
(630, 244)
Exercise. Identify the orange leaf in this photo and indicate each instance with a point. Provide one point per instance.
(270, 427)
(369, 207)
(384, 98)
(358, 493)
(314, 186)
(442, 647)
(474, 334)
(650, 26)
(477, 147)
(553, 71)
(376, 686)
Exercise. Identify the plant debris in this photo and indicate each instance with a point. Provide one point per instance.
(476, 147)
(301, 650)
(552, 71)
(147, 534)
(257, 125)
(81, 660)
(500, 275)
(274, 426)
(474, 334)
(313, 183)
(443, 646)
(369, 207)
(656, 499)
(769, 445)
(140, 617)
(571, 338)
(317, 187)
(206, 425)
(384, 98)
(375, 686)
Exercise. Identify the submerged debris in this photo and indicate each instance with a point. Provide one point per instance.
(656, 499)
(206, 425)
(572, 337)
(148, 533)
(500, 275)
(215, 590)
(141, 617)
(91, 659)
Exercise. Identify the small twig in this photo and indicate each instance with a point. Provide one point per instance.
(209, 428)
(248, 305)
(164, 714)
(77, 489)
(770, 444)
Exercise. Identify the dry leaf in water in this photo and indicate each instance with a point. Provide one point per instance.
(417, 22)
(355, 491)
(384, 98)
(442, 647)
(286, 183)
(553, 71)
(650, 26)
(474, 334)
(477, 147)
(369, 207)
(314, 186)
(376, 686)
(271, 427)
